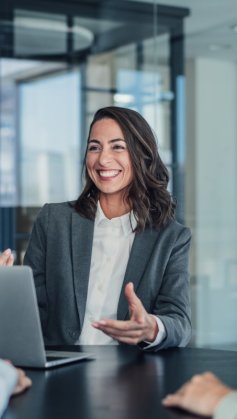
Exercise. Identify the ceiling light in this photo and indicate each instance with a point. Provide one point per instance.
(82, 36)
(123, 98)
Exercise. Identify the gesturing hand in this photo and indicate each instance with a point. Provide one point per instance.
(141, 326)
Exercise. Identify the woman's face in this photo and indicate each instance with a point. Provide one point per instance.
(108, 161)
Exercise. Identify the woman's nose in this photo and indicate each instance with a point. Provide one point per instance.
(105, 157)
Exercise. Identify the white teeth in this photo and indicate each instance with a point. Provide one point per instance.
(109, 173)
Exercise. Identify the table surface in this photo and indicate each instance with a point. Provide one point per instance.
(122, 382)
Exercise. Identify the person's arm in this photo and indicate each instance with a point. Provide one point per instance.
(227, 407)
(172, 306)
(12, 381)
(6, 258)
(8, 380)
(202, 395)
(35, 257)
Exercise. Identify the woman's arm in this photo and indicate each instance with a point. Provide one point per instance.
(35, 257)
(172, 304)
(12, 381)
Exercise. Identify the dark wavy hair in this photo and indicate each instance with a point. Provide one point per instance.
(147, 194)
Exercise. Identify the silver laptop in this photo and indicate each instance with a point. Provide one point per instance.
(21, 338)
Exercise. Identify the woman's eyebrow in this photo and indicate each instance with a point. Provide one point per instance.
(93, 141)
(110, 141)
(116, 139)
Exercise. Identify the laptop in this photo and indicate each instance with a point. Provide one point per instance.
(21, 339)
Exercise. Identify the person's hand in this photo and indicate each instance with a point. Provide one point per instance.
(200, 395)
(6, 258)
(141, 326)
(23, 382)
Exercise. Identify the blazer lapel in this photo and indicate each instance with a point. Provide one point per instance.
(140, 254)
(82, 239)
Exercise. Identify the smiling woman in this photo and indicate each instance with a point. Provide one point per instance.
(85, 254)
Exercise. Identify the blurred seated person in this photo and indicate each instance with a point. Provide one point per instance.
(205, 395)
(12, 381)
(6, 258)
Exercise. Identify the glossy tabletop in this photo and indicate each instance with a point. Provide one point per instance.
(120, 383)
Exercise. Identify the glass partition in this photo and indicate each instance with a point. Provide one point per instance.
(57, 67)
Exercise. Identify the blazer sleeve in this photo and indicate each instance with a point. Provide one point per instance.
(172, 304)
(35, 257)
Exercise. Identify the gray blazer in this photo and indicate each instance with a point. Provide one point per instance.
(59, 252)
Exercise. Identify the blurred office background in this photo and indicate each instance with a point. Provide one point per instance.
(175, 61)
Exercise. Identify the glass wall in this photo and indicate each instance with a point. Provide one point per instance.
(211, 167)
(134, 80)
(49, 138)
(57, 67)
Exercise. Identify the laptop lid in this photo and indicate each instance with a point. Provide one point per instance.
(21, 338)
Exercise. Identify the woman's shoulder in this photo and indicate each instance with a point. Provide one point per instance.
(177, 229)
(60, 209)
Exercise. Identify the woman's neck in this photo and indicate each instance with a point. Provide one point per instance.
(113, 207)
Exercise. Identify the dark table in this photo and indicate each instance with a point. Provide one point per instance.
(121, 383)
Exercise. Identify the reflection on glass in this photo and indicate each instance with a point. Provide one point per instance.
(49, 135)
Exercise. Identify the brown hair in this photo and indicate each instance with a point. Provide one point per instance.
(147, 195)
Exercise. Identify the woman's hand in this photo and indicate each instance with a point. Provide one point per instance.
(200, 395)
(141, 326)
(6, 258)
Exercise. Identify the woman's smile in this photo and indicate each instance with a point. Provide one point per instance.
(108, 173)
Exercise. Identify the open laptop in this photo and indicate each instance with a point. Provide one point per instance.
(21, 339)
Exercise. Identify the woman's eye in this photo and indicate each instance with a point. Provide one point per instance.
(93, 148)
(118, 147)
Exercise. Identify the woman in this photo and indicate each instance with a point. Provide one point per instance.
(121, 229)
